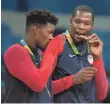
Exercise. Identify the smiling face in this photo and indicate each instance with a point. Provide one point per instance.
(81, 24)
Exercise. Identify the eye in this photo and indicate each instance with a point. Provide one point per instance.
(50, 32)
(77, 21)
(87, 23)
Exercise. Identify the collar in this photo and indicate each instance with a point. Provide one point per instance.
(74, 48)
(30, 49)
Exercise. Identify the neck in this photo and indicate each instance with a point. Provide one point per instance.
(29, 40)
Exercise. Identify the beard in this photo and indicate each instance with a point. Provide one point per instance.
(42, 47)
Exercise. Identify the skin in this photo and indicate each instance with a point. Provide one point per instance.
(81, 24)
(38, 36)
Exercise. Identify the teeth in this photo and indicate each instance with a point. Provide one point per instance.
(83, 37)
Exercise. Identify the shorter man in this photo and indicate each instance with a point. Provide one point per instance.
(25, 80)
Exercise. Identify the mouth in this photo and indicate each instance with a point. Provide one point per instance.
(82, 36)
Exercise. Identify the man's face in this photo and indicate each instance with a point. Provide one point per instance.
(44, 35)
(81, 24)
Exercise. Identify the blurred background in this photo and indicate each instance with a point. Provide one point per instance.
(13, 20)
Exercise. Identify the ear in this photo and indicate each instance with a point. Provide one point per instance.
(35, 29)
(70, 20)
(93, 25)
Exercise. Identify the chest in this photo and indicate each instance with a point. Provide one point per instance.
(70, 63)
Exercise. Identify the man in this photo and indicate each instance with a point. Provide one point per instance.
(80, 56)
(24, 83)
(26, 79)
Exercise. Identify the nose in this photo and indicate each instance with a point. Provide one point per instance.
(51, 36)
(81, 26)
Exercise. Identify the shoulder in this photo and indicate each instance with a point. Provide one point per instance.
(14, 50)
(60, 36)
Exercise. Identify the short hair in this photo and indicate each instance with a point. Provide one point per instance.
(83, 8)
(40, 16)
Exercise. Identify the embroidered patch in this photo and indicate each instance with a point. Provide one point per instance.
(90, 59)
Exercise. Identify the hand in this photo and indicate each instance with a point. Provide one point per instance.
(84, 75)
(96, 46)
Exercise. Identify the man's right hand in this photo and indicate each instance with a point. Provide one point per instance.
(84, 75)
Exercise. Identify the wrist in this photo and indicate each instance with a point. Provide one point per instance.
(96, 57)
(75, 80)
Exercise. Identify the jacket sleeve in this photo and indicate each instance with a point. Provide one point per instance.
(62, 84)
(20, 65)
(101, 81)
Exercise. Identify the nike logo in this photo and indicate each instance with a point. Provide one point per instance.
(70, 55)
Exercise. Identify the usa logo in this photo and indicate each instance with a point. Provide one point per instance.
(90, 59)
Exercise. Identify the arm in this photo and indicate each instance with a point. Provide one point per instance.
(62, 84)
(96, 47)
(101, 81)
(82, 76)
(20, 65)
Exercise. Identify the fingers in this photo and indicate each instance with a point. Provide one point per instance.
(88, 73)
(84, 75)
(91, 39)
(93, 35)
(94, 40)
(87, 77)
(89, 70)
